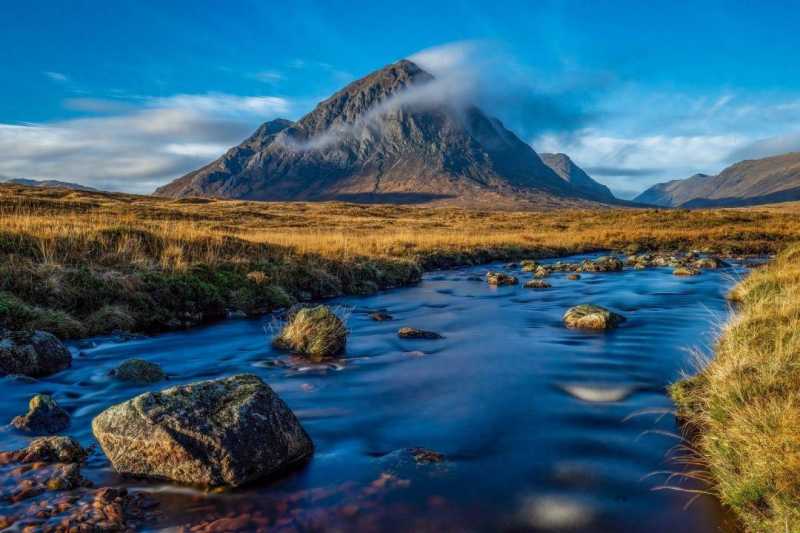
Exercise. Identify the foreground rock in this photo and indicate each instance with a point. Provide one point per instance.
(139, 371)
(44, 416)
(313, 331)
(222, 432)
(500, 278)
(414, 333)
(35, 354)
(588, 316)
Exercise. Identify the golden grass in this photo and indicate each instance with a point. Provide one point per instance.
(67, 227)
(744, 406)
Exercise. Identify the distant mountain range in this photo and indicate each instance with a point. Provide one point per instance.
(380, 140)
(751, 182)
(55, 184)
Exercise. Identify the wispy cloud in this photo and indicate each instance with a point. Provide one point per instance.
(56, 76)
(151, 142)
(271, 77)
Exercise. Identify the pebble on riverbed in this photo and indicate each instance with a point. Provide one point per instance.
(380, 316)
(44, 416)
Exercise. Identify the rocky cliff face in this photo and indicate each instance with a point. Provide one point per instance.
(567, 170)
(383, 139)
(752, 182)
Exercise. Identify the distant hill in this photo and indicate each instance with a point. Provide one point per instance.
(379, 140)
(758, 181)
(53, 184)
(576, 176)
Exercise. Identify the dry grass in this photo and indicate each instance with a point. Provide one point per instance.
(316, 332)
(744, 407)
(81, 263)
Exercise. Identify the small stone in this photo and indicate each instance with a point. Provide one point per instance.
(542, 272)
(51, 450)
(602, 264)
(537, 284)
(709, 263)
(35, 354)
(589, 316)
(380, 316)
(500, 278)
(685, 271)
(529, 265)
(139, 371)
(414, 333)
(574, 277)
(43, 416)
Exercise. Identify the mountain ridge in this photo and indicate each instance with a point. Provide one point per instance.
(749, 182)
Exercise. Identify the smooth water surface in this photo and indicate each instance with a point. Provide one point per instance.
(543, 428)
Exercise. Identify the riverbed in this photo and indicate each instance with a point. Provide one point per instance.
(539, 427)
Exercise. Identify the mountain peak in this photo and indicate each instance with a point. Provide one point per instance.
(380, 139)
(567, 170)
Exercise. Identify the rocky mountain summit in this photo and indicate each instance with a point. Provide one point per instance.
(389, 137)
(750, 182)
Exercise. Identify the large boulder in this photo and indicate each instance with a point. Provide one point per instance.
(313, 331)
(44, 416)
(589, 316)
(222, 432)
(32, 353)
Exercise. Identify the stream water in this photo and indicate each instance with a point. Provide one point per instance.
(542, 428)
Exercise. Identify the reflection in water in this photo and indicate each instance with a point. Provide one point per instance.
(533, 419)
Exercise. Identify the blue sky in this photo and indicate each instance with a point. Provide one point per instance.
(128, 95)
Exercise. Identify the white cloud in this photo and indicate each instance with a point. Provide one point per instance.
(56, 76)
(269, 76)
(137, 150)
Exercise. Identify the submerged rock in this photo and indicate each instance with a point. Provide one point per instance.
(48, 450)
(529, 265)
(222, 432)
(602, 264)
(426, 456)
(685, 271)
(709, 263)
(500, 278)
(414, 333)
(139, 371)
(380, 316)
(589, 316)
(542, 271)
(35, 354)
(44, 416)
(314, 331)
(537, 284)
(574, 277)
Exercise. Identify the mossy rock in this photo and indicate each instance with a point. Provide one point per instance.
(44, 416)
(589, 316)
(35, 354)
(313, 331)
(139, 371)
(537, 284)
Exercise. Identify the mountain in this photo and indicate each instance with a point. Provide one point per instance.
(751, 182)
(575, 175)
(673, 193)
(387, 137)
(51, 184)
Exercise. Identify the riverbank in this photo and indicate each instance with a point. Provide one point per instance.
(80, 264)
(742, 411)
